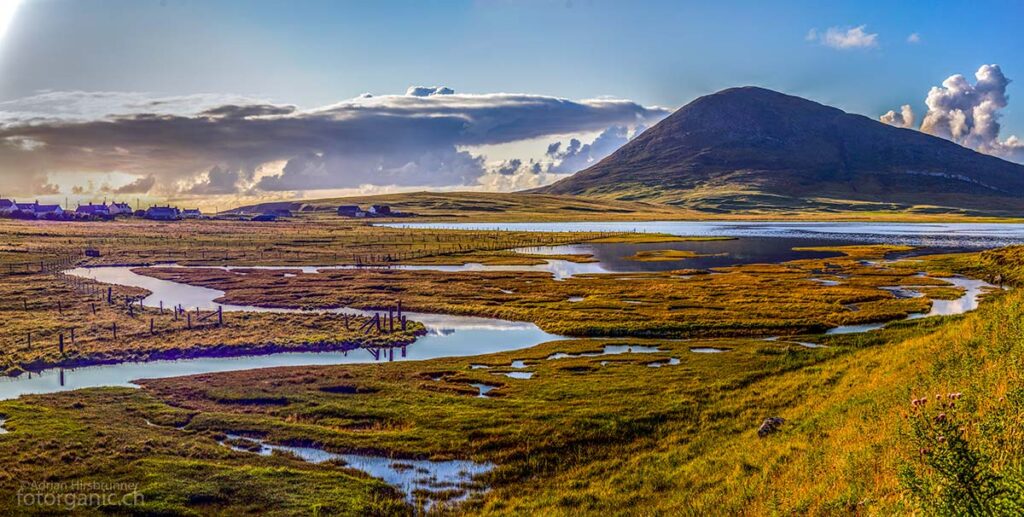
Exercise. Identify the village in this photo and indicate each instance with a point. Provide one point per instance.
(104, 211)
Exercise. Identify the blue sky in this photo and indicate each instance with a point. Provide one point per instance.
(656, 53)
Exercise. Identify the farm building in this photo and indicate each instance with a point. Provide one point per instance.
(163, 213)
(351, 211)
(93, 210)
(191, 213)
(7, 206)
(380, 210)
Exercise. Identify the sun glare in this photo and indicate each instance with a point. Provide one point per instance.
(7, 10)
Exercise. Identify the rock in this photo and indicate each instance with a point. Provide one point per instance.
(769, 426)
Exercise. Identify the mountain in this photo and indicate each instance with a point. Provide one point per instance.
(760, 150)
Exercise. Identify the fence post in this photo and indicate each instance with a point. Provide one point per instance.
(220, 316)
(189, 316)
(61, 344)
(72, 336)
(110, 295)
(151, 325)
(114, 328)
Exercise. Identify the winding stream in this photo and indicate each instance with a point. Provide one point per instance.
(447, 336)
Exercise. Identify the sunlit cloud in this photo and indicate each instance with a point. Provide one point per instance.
(221, 146)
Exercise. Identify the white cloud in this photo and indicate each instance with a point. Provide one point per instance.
(905, 117)
(914, 38)
(968, 114)
(845, 38)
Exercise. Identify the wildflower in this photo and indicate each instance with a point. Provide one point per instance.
(941, 439)
(940, 417)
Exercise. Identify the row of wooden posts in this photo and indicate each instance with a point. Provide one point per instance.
(39, 266)
(388, 324)
(446, 244)
(132, 304)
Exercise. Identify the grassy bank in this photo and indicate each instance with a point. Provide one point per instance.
(734, 301)
(40, 310)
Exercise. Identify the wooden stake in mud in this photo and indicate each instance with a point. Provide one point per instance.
(30, 341)
(110, 295)
(60, 344)
(72, 336)
(114, 329)
(220, 316)
(151, 325)
(189, 321)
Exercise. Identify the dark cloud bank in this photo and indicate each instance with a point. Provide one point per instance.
(417, 139)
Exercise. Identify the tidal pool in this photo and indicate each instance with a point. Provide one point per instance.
(484, 389)
(609, 350)
(973, 289)
(518, 375)
(409, 476)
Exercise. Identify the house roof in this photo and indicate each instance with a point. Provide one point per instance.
(92, 209)
(47, 208)
(6, 203)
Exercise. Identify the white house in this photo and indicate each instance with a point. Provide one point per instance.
(120, 209)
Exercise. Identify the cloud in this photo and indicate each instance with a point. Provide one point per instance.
(139, 186)
(194, 146)
(968, 114)
(905, 117)
(219, 180)
(427, 91)
(509, 167)
(576, 156)
(914, 38)
(844, 39)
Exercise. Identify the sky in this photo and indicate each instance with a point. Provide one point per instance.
(217, 102)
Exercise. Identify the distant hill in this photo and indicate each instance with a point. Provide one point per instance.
(483, 206)
(753, 149)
